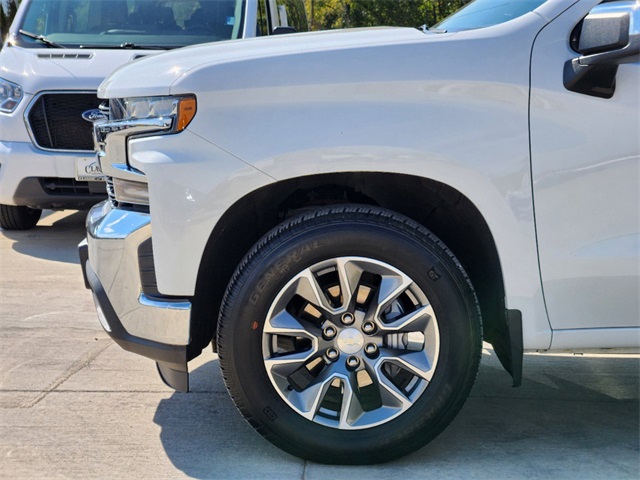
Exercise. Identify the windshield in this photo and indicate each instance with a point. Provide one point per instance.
(485, 13)
(131, 23)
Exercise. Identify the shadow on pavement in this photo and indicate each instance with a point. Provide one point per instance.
(574, 416)
(55, 238)
(206, 437)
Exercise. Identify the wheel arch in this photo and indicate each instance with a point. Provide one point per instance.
(442, 209)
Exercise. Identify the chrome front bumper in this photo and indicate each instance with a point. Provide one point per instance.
(145, 323)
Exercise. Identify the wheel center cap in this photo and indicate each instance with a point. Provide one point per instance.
(350, 341)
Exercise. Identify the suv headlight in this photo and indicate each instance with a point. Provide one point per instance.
(181, 109)
(10, 95)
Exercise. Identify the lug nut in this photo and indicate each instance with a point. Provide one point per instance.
(332, 353)
(329, 332)
(371, 349)
(348, 318)
(368, 327)
(353, 362)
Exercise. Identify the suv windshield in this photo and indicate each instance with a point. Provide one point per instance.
(130, 23)
(485, 13)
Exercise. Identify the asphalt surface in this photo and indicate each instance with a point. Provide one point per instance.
(74, 405)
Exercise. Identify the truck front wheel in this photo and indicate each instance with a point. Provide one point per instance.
(349, 335)
(18, 217)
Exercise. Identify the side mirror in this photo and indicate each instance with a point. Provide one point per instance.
(283, 30)
(609, 36)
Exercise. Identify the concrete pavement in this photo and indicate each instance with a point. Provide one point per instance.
(74, 405)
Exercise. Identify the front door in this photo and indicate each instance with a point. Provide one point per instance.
(586, 175)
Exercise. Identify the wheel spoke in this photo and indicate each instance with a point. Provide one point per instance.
(349, 273)
(367, 390)
(292, 360)
(304, 376)
(307, 287)
(415, 362)
(284, 323)
(391, 287)
(351, 408)
(308, 401)
(416, 321)
(391, 395)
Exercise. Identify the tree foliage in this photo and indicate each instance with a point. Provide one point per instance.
(7, 13)
(329, 14)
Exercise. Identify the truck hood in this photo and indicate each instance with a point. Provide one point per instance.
(162, 75)
(37, 69)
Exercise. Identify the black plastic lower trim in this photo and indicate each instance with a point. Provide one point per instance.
(148, 280)
(32, 192)
(173, 378)
(83, 252)
(171, 359)
(592, 80)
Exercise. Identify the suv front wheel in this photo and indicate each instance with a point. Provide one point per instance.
(18, 217)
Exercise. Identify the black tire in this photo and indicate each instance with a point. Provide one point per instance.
(18, 218)
(376, 235)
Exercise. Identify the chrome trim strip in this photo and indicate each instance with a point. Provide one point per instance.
(130, 127)
(126, 169)
(108, 223)
(119, 131)
(148, 302)
(27, 111)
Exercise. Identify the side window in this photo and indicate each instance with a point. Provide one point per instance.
(281, 13)
(292, 13)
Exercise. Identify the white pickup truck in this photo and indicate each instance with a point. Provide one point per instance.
(351, 220)
(56, 55)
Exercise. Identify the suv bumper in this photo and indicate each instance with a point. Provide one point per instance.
(43, 179)
(113, 264)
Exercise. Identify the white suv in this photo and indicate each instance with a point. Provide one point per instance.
(356, 215)
(56, 55)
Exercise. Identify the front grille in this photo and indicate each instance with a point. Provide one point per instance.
(111, 193)
(56, 120)
(71, 187)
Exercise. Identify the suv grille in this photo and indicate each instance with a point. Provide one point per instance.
(71, 186)
(56, 120)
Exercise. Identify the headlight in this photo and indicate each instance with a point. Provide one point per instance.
(10, 95)
(181, 109)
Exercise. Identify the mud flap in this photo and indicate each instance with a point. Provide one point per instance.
(174, 376)
(509, 346)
